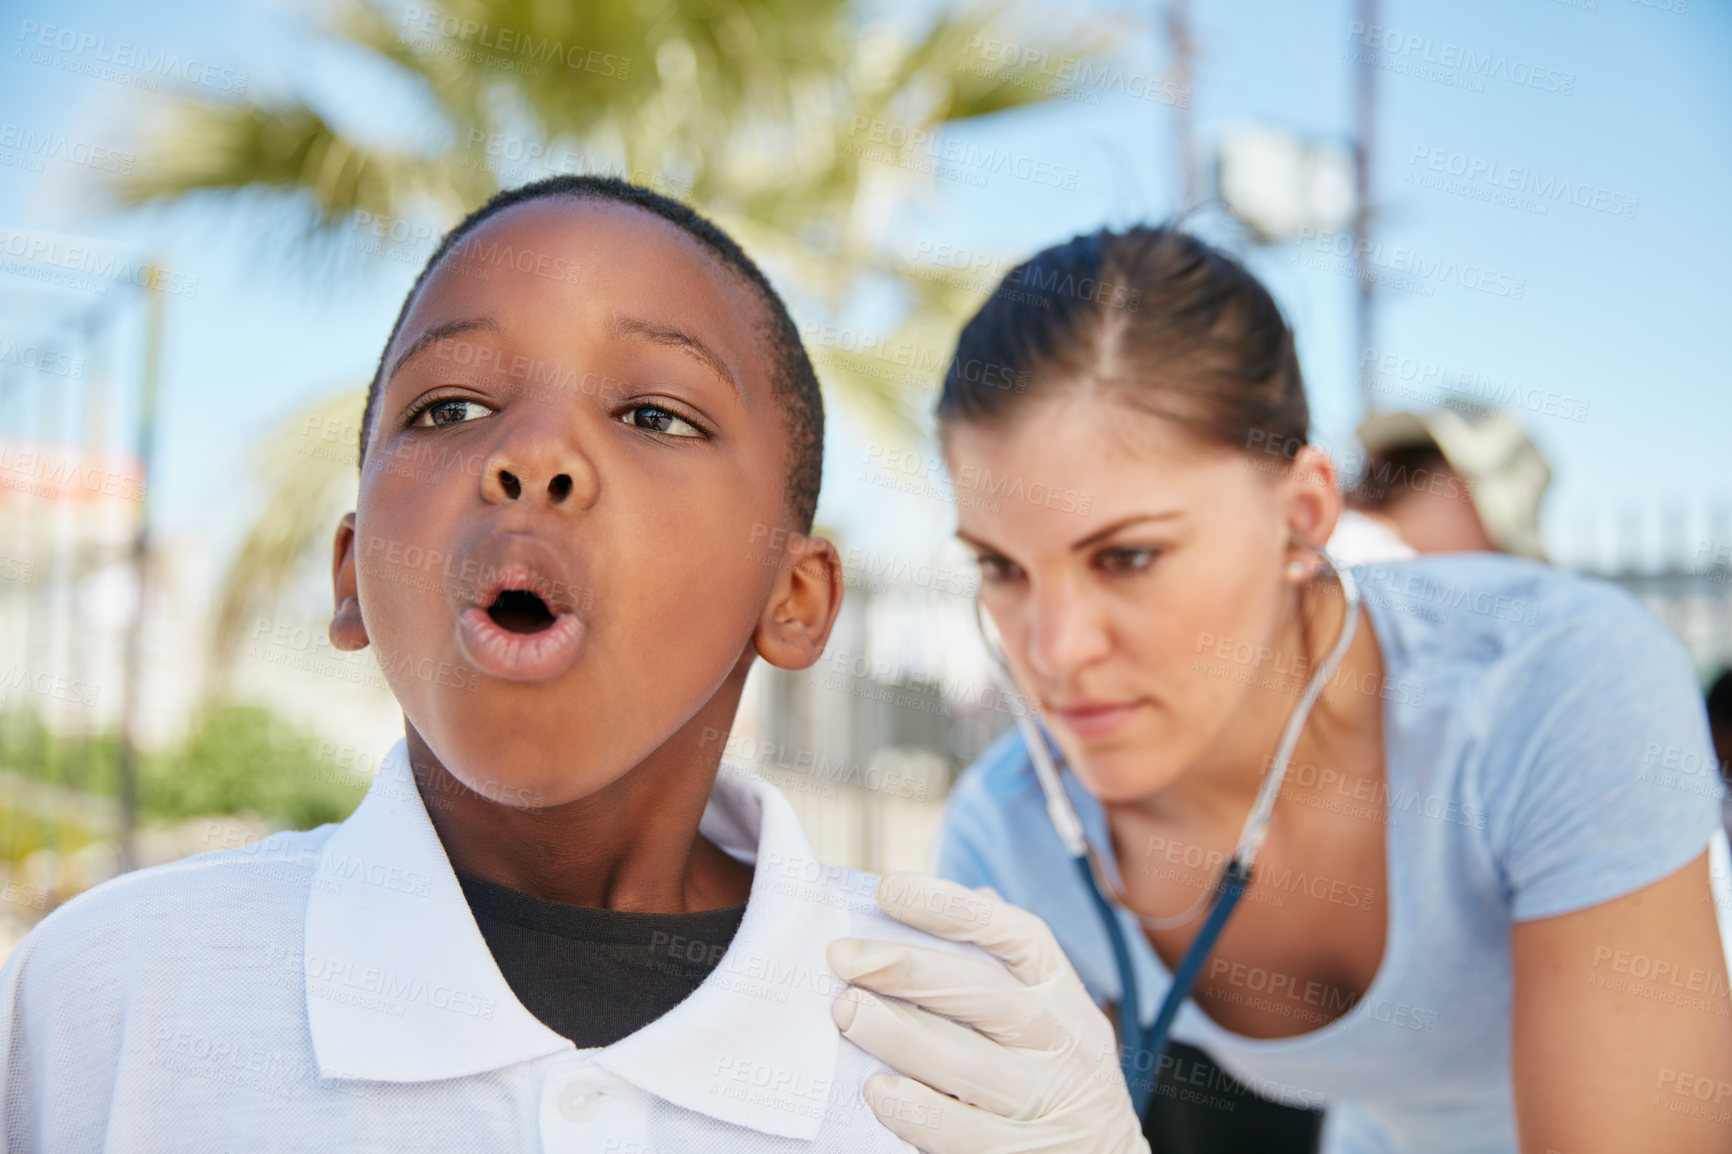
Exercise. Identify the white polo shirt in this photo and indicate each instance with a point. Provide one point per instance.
(329, 990)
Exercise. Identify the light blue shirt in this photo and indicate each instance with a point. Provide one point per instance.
(1546, 750)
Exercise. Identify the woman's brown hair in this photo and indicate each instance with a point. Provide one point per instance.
(1156, 316)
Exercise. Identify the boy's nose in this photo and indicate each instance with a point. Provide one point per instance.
(558, 488)
(505, 480)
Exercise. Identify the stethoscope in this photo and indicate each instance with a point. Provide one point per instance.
(1137, 1044)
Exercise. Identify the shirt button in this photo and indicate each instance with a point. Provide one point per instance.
(586, 1108)
(580, 1100)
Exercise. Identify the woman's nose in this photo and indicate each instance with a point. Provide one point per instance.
(1064, 633)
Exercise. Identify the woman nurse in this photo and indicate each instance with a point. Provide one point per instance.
(1482, 917)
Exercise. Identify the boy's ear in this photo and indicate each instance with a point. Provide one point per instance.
(803, 606)
(348, 631)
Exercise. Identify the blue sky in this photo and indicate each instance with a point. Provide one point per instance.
(1621, 318)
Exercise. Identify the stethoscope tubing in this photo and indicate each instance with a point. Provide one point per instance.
(1140, 1079)
(1140, 1049)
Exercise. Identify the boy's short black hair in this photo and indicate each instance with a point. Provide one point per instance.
(794, 383)
(1719, 699)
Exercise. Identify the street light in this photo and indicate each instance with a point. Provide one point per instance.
(1280, 185)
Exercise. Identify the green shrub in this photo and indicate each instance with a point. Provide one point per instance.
(247, 759)
(238, 759)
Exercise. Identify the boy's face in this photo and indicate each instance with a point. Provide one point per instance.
(577, 408)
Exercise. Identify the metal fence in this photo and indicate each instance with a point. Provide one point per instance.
(882, 697)
(1677, 559)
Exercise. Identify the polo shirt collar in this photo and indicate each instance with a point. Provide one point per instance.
(401, 986)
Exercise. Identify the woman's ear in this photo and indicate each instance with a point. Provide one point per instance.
(348, 631)
(803, 605)
(1312, 506)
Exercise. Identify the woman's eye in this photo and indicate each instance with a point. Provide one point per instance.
(1129, 560)
(659, 420)
(996, 568)
(453, 411)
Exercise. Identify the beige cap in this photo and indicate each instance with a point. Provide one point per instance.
(1505, 470)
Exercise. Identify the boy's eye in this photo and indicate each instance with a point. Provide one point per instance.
(1127, 560)
(659, 420)
(450, 411)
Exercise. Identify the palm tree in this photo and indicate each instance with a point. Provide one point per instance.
(755, 111)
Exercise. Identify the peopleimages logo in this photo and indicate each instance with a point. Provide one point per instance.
(1422, 379)
(41, 146)
(84, 256)
(1074, 77)
(42, 359)
(512, 42)
(963, 156)
(89, 47)
(1420, 267)
(1486, 179)
(1407, 51)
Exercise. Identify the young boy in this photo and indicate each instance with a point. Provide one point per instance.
(551, 923)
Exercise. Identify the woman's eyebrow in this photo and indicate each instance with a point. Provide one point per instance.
(1097, 536)
(976, 542)
(1125, 523)
(443, 332)
(665, 334)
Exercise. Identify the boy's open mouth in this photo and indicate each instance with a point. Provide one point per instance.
(520, 611)
(520, 623)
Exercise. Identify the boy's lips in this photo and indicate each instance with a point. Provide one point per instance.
(500, 652)
(521, 625)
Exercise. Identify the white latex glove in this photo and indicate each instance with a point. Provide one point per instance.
(1028, 1061)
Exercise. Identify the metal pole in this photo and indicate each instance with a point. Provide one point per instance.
(1179, 37)
(95, 445)
(133, 687)
(1364, 133)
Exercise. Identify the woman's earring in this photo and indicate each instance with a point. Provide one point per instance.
(1295, 570)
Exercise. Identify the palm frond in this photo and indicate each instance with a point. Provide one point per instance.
(309, 477)
(221, 147)
(750, 106)
(968, 50)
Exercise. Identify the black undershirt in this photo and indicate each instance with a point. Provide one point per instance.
(1198, 1108)
(592, 975)
(595, 976)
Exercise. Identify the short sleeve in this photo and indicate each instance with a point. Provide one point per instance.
(16, 1096)
(1602, 752)
(963, 838)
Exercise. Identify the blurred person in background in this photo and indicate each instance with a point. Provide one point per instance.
(1464, 836)
(1720, 725)
(1458, 479)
